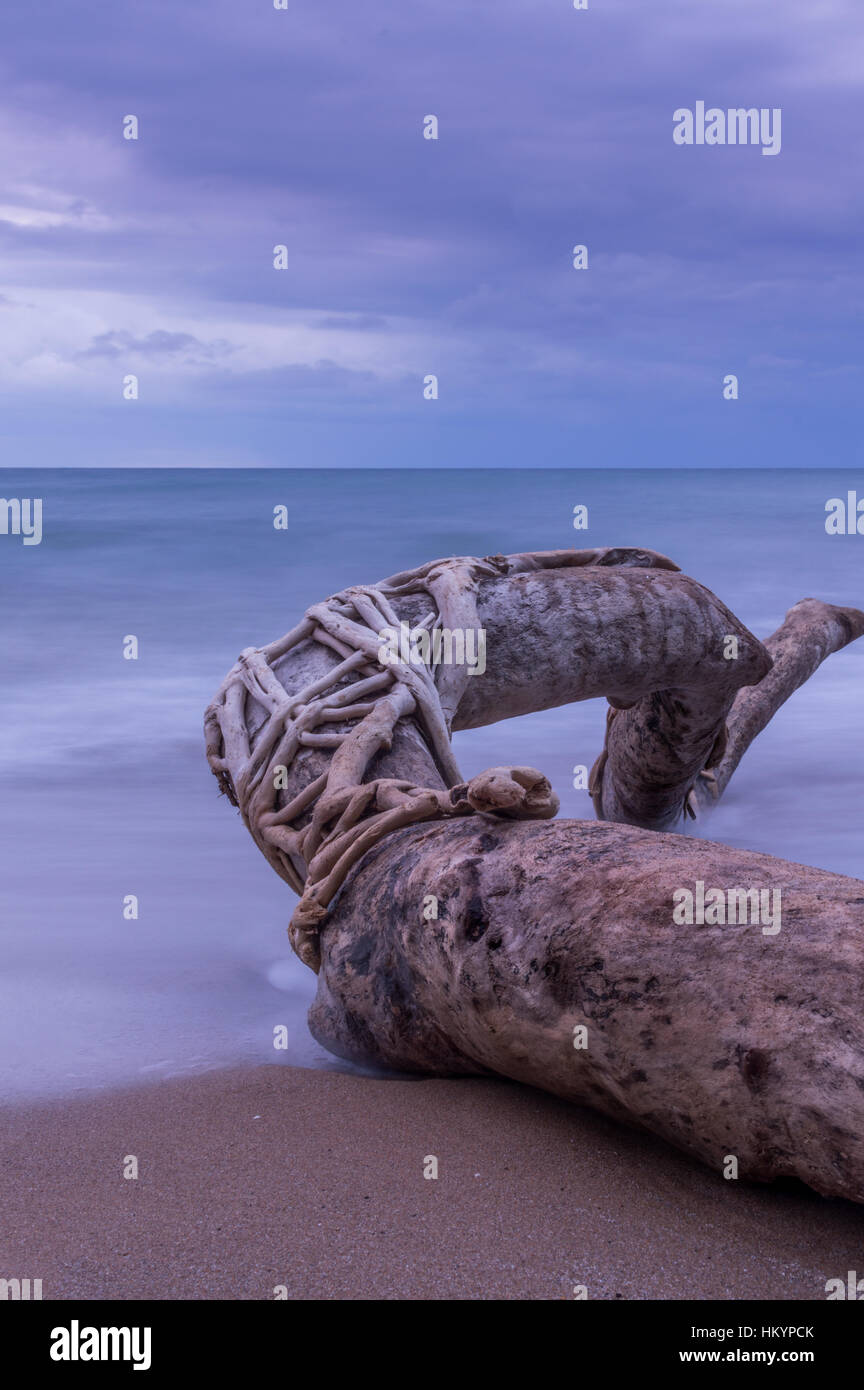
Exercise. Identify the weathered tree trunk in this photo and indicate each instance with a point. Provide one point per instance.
(730, 1040)
(721, 1039)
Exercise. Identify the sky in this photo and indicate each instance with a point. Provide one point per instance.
(406, 256)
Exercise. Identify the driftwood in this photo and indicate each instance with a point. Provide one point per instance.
(725, 1041)
(556, 953)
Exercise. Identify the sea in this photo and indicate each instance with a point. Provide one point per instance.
(106, 794)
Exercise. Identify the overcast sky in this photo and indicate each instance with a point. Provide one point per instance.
(409, 256)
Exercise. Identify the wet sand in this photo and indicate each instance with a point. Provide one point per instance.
(313, 1180)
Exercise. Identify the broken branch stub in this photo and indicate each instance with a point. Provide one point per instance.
(811, 632)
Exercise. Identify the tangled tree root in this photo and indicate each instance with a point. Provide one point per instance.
(315, 837)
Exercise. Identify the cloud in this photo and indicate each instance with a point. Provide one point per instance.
(157, 344)
(46, 208)
(260, 127)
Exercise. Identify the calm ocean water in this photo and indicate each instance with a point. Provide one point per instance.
(106, 791)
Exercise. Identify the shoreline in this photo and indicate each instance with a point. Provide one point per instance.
(264, 1176)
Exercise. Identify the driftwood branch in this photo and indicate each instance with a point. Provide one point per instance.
(811, 631)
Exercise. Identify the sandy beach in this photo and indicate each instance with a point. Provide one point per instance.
(254, 1178)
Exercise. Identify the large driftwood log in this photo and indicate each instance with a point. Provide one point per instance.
(719, 1038)
(739, 1040)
